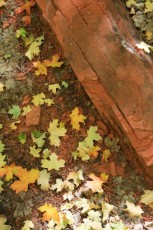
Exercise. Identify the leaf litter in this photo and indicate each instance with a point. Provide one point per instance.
(58, 174)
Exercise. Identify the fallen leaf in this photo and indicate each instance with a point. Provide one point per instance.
(34, 48)
(133, 210)
(28, 224)
(2, 146)
(129, 3)
(25, 110)
(39, 99)
(76, 118)
(106, 155)
(56, 130)
(25, 7)
(41, 68)
(147, 197)
(77, 177)
(15, 111)
(13, 125)
(43, 180)
(26, 20)
(54, 62)
(106, 209)
(38, 138)
(21, 33)
(35, 152)
(50, 212)
(95, 184)
(54, 88)
(22, 138)
(3, 225)
(9, 170)
(1, 87)
(2, 3)
(2, 160)
(92, 136)
(149, 6)
(53, 162)
(1, 184)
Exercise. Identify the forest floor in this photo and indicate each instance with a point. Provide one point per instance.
(61, 167)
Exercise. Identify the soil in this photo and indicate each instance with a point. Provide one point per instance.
(17, 73)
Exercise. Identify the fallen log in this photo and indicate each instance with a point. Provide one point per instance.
(99, 41)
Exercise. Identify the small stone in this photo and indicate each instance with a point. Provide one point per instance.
(33, 117)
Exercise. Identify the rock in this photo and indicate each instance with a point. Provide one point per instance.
(33, 117)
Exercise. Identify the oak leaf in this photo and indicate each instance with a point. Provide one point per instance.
(50, 212)
(76, 118)
(53, 162)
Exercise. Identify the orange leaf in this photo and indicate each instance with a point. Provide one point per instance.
(26, 178)
(54, 62)
(50, 212)
(26, 20)
(9, 171)
(93, 152)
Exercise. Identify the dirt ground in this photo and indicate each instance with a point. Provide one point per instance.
(17, 75)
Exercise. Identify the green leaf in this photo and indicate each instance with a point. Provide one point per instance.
(53, 162)
(38, 138)
(21, 33)
(92, 136)
(15, 111)
(65, 84)
(22, 138)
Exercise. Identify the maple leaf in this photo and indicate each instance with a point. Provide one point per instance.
(56, 131)
(147, 197)
(53, 162)
(76, 118)
(1, 87)
(2, 160)
(39, 99)
(28, 40)
(149, 6)
(65, 84)
(54, 88)
(26, 178)
(149, 35)
(54, 62)
(28, 224)
(3, 225)
(96, 184)
(13, 125)
(92, 136)
(25, 7)
(34, 49)
(35, 151)
(41, 68)
(133, 210)
(85, 204)
(2, 3)
(49, 102)
(25, 110)
(90, 225)
(43, 180)
(106, 209)
(106, 154)
(2, 146)
(129, 3)
(68, 196)
(38, 138)
(50, 212)
(15, 111)
(9, 171)
(22, 138)
(1, 183)
(77, 177)
(60, 185)
(26, 20)
(144, 46)
(93, 152)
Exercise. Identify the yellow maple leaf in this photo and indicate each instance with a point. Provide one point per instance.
(54, 88)
(104, 177)
(9, 171)
(133, 210)
(39, 99)
(25, 110)
(149, 35)
(50, 212)
(149, 6)
(54, 62)
(41, 68)
(129, 3)
(76, 118)
(106, 154)
(2, 3)
(1, 87)
(26, 178)
(13, 125)
(34, 48)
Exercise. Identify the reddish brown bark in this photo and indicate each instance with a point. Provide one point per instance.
(99, 41)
